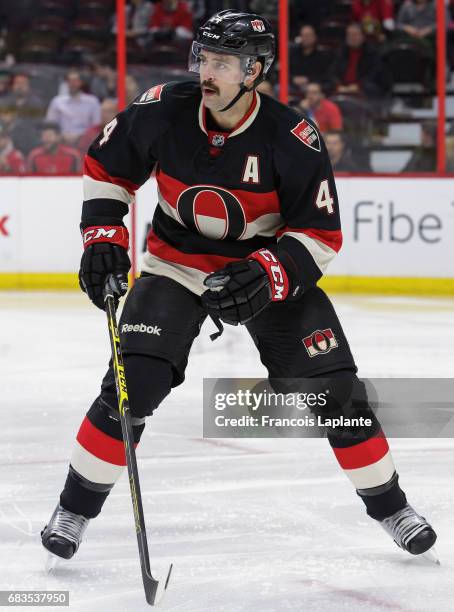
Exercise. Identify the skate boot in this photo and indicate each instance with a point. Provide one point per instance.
(63, 534)
(409, 530)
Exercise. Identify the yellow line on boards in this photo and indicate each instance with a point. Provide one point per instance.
(40, 281)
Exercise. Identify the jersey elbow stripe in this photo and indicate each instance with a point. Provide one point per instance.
(332, 238)
(95, 190)
(321, 253)
(95, 170)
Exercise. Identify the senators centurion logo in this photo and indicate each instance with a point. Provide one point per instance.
(258, 25)
(306, 132)
(320, 342)
(152, 95)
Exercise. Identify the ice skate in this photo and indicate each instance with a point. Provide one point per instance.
(411, 532)
(63, 534)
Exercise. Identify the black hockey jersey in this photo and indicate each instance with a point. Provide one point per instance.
(221, 196)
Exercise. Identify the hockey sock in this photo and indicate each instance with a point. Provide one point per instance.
(97, 462)
(370, 467)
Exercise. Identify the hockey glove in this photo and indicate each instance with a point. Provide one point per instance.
(242, 289)
(105, 255)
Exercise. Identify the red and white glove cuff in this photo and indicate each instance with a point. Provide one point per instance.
(115, 234)
(276, 273)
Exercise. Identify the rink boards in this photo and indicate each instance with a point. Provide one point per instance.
(397, 233)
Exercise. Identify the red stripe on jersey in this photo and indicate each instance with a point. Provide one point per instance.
(332, 238)
(96, 171)
(99, 444)
(362, 454)
(204, 263)
(254, 204)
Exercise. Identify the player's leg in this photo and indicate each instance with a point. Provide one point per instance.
(305, 339)
(158, 325)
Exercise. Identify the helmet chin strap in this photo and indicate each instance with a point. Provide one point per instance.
(243, 90)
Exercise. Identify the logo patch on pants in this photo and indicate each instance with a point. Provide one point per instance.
(320, 342)
(141, 328)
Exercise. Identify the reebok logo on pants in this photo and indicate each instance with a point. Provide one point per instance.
(142, 328)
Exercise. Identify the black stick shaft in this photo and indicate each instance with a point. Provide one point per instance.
(149, 583)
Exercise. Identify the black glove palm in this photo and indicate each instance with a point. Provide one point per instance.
(98, 262)
(238, 292)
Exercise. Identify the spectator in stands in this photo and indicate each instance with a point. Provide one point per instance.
(22, 133)
(267, 88)
(138, 15)
(24, 99)
(357, 69)
(417, 19)
(341, 160)
(171, 19)
(375, 16)
(103, 79)
(109, 108)
(5, 85)
(76, 111)
(310, 12)
(307, 61)
(11, 160)
(325, 113)
(424, 158)
(53, 157)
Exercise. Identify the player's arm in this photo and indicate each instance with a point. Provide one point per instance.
(305, 245)
(118, 161)
(311, 236)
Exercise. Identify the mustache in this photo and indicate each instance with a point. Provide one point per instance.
(210, 85)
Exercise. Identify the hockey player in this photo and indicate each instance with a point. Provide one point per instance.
(246, 223)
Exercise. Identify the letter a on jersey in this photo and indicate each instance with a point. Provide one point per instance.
(251, 172)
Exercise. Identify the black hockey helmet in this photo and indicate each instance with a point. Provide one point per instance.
(246, 35)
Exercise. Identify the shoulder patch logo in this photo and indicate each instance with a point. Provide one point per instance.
(258, 25)
(151, 95)
(305, 132)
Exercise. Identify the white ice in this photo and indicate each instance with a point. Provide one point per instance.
(250, 525)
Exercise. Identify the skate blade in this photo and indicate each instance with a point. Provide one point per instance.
(51, 562)
(432, 556)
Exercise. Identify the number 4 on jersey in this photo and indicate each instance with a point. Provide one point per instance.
(324, 199)
(107, 131)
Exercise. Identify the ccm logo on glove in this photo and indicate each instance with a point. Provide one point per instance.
(276, 273)
(115, 234)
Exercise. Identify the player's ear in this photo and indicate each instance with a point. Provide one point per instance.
(253, 73)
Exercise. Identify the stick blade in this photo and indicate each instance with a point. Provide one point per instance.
(155, 589)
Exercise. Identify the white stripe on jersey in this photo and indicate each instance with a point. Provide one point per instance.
(94, 189)
(191, 278)
(321, 252)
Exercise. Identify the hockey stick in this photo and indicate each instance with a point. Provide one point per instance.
(150, 585)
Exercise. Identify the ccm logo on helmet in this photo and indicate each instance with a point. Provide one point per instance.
(211, 35)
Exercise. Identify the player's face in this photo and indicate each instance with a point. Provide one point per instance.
(220, 78)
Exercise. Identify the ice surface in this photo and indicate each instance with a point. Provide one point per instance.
(250, 525)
